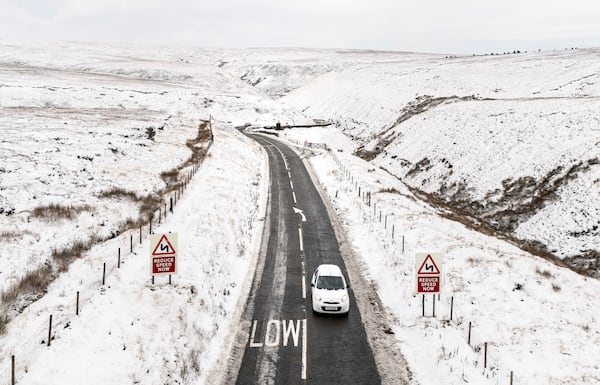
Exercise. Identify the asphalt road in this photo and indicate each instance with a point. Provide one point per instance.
(287, 343)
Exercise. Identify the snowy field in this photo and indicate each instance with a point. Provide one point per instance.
(158, 333)
(79, 120)
(513, 140)
(539, 321)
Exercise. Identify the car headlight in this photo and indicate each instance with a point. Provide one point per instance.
(317, 298)
(344, 298)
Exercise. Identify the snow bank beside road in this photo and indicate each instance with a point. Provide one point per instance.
(133, 332)
(540, 321)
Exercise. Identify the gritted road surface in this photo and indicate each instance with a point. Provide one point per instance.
(287, 343)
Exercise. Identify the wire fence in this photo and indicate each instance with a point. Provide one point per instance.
(488, 353)
(307, 144)
(18, 359)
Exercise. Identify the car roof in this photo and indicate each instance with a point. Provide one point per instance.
(329, 269)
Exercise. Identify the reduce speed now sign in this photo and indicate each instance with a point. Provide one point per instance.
(429, 273)
(163, 253)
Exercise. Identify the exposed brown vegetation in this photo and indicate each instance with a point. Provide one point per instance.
(204, 135)
(418, 106)
(170, 176)
(9, 234)
(3, 322)
(54, 212)
(65, 256)
(502, 210)
(459, 215)
(35, 283)
(543, 273)
(556, 287)
(588, 260)
(148, 204)
(421, 166)
(118, 192)
(390, 190)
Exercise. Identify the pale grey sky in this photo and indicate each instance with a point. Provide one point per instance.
(445, 26)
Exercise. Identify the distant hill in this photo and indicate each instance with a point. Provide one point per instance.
(510, 144)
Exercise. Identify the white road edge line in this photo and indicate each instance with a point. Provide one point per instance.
(287, 167)
(294, 196)
(291, 184)
(304, 340)
(303, 286)
(300, 236)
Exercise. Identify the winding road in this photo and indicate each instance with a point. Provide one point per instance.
(287, 343)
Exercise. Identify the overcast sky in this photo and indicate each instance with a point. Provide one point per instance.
(443, 26)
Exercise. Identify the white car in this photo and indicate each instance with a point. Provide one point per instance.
(329, 290)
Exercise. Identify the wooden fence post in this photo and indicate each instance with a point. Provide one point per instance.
(485, 355)
(140, 234)
(171, 206)
(511, 377)
(159, 215)
(451, 306)
(423, 306)
(393, 228)
(469, 337)
(119, 259)
(434, 305)
(13, 380)
(49, 329)
(403, 244)
(77, 305)
(103, 273)
(130, 243)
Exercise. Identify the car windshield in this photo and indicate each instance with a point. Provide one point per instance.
(330, 282)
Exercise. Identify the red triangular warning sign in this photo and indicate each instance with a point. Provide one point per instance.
(164, 247)
(428, 267)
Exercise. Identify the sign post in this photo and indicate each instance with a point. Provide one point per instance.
(429, 273)
(163, 254)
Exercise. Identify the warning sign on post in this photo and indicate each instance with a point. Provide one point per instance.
(429, 273)
(163, 253)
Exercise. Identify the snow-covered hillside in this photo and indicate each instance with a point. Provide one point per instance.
(95, 138)
(277, 72)
(96, 141)
(511, 140)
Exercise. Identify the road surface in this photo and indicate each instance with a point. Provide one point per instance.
(287, 343)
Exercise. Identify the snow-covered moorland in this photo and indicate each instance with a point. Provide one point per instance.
(79, 120)
(512, 142)
(95, 141)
